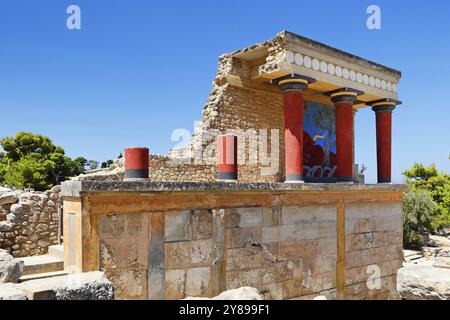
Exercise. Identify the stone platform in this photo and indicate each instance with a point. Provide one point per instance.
(172, 240)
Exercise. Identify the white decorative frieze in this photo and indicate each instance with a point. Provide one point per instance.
(339, 71)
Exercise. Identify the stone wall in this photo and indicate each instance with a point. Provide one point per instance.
(29, 221)
(374, 243)
(181, 240)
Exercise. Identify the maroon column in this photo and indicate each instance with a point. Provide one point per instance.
(383, 112)
(227, 160)
(293, 87)
(136, 163)
(343, 100)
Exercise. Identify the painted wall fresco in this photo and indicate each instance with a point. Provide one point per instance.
(319, 141)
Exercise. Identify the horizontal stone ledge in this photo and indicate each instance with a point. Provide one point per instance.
(74, 188)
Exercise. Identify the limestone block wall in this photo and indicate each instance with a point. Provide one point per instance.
(180, 241)
(31, 221)
(374, 243)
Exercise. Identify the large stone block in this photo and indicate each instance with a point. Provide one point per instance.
(359, 241)
(277, 272)
(123, 225)
(302, 214)
(124, 253)
(201, 252)
(318, 265)
(387, 238)
(174, 284)
(270, 234)
(178, 226)
(244, 258)
(128, 284)
(201, 224)
(198, 282)
(328, 245)
(241, 237)
(177, 255)
(249, 278)
(249, 217)
(271, 216)
(299, 249)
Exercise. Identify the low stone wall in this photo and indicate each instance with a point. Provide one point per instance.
(289, 241)
(30, 221)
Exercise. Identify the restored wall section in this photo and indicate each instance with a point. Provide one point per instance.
(289, 244)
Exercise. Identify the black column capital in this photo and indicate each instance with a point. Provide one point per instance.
(293, 83)
(384, 105)
(344, 95)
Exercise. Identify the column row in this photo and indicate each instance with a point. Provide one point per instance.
(344, 100)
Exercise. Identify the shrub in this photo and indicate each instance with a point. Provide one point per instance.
(418, 210)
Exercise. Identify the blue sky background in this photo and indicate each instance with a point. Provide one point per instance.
(156, 60)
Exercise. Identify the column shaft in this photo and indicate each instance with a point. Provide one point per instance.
(344, 140)
(384, 134)
(293, 135)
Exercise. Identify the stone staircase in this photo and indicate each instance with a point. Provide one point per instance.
(44, 266)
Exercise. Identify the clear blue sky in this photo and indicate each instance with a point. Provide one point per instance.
(156, 59)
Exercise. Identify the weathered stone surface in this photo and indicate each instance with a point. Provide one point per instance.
(8, 198)
(30, 226)
(11, 291)
(237, 279)
(86, 286)
(201, 224)
(244, 258)
(11, 269)
(174, 284)
(178, 226)
(198, 282)
(241, 237)
(416, 282)
(128, 284)
(78, 286)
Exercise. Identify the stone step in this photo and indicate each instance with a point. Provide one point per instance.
(56, 251)
(42, 275)
(42, 264)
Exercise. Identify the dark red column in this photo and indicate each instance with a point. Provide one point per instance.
(293, 87)
(293, 135)
(343, 100)
(383, 112)
(136, 163)
(227, 157)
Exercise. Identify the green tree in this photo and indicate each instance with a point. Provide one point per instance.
(420, 177)
(418, 209)
(33, 161)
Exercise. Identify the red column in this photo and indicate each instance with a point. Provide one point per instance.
(343, 101)
(227, 161)
(293, 86)
(383, 114)
(293, 135)
(344, 141)
(136, 163)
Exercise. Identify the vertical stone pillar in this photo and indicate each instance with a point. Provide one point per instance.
(293, 87)
(383, 112)
(136, 163)
(343, 100)
(227, 161)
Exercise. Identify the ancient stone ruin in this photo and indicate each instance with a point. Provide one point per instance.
(267, 195)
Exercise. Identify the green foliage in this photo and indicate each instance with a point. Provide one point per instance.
(33, 161)
(420, 177)
(418, 210)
